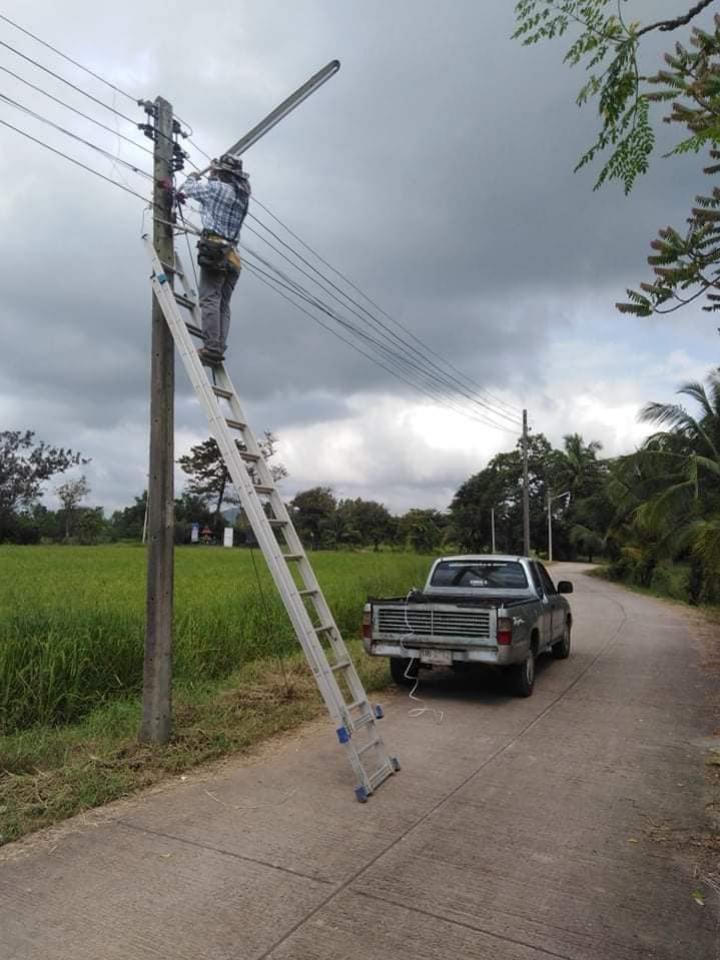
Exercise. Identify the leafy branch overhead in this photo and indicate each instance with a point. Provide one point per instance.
(607, 44)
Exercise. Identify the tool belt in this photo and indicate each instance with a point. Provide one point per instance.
(217, 253)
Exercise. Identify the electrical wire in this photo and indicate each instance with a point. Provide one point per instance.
(273, 286)
(88, 143)
(422, 362)
(389, 354)
(68, 83)
(76, 162)
(81, 66)
(420, 366)
(351, 283)
(409, 361)
(85, 116)
(278, 285)
(392, 357)
(66, 57)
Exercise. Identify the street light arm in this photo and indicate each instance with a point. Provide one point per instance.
(282, 110)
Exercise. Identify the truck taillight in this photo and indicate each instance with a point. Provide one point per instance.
(504, 631)
(367, 624)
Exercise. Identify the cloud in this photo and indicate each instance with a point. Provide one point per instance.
(434, 170)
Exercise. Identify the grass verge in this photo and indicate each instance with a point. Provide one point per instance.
(48, 774)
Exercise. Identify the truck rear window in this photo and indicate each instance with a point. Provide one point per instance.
(480, 574)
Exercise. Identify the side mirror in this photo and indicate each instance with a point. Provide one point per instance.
(564, 586)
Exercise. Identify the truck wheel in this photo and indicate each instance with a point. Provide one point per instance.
(403, 671)
(561, 649)
(522, 676)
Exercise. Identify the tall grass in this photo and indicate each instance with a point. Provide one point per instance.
(72, 619)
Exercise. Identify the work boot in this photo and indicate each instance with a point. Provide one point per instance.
(210, 357)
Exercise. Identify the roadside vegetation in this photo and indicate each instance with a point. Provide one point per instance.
(71, 649)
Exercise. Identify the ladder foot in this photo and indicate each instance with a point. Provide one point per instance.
(343, 734)
(395, 764)
(379, 712)
(361, 794)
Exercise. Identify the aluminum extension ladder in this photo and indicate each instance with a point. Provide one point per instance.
(325, 650)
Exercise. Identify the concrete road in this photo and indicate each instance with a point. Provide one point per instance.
(517, 830)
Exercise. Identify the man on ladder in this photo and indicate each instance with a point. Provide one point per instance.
(224, 202)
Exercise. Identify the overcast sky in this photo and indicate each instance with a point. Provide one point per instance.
(435, 169)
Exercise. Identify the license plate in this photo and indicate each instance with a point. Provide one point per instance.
(442, 658)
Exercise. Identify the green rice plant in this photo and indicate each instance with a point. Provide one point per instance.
(72, 619)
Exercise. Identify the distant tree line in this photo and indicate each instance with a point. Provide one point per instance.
(652, 515)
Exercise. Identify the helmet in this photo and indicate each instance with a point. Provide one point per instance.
(229, 164)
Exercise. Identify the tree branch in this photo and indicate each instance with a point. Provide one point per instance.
(667, 25)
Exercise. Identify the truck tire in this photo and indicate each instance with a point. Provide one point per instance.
(521, 677)
(399, 667)
(561, 649)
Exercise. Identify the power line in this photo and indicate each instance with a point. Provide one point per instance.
(410, 361)
(74, 86)
(424, 359)
(85, 116)
(377, 306)
(447, 379)
(274, 285)
(76, 162)
(81, 66)
(388, 353)
(66, 57)
(88, 143)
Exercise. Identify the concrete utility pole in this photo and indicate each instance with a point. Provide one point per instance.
(157, 675)
(492, 527)
(526, 491)
(550, 499)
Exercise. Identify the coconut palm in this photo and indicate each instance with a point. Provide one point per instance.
(577, 468)
(667, 495)
(686, 455)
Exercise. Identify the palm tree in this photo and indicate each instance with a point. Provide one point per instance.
(687, 454)
(667, 494)
(577, 468)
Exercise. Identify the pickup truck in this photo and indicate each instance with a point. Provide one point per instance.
(502, 611)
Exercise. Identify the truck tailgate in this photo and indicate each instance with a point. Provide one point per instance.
(444, 624)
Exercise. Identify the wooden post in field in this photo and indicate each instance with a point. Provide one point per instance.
(157, 674)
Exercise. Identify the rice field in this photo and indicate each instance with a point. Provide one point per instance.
(72, 619)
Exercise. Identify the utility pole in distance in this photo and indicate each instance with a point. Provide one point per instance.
(157, 668)
(549, 518)
(526, 492)
(492, 527)
(550, 499)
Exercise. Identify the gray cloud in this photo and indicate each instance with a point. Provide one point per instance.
(435, 169)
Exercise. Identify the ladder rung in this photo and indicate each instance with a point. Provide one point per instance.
(263, 488)
(220, 392)
(250, 457)
(366, 747)
(195, 331)
(341, 665)
(236, 424)
(312, 592)
(324, 628)
(282, 523)
(380, 775)
(185, 301)
(293, 556)
(363, 721)
(355, 704)
(167, 266)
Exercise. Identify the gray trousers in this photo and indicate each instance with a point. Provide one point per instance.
(216, 288)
